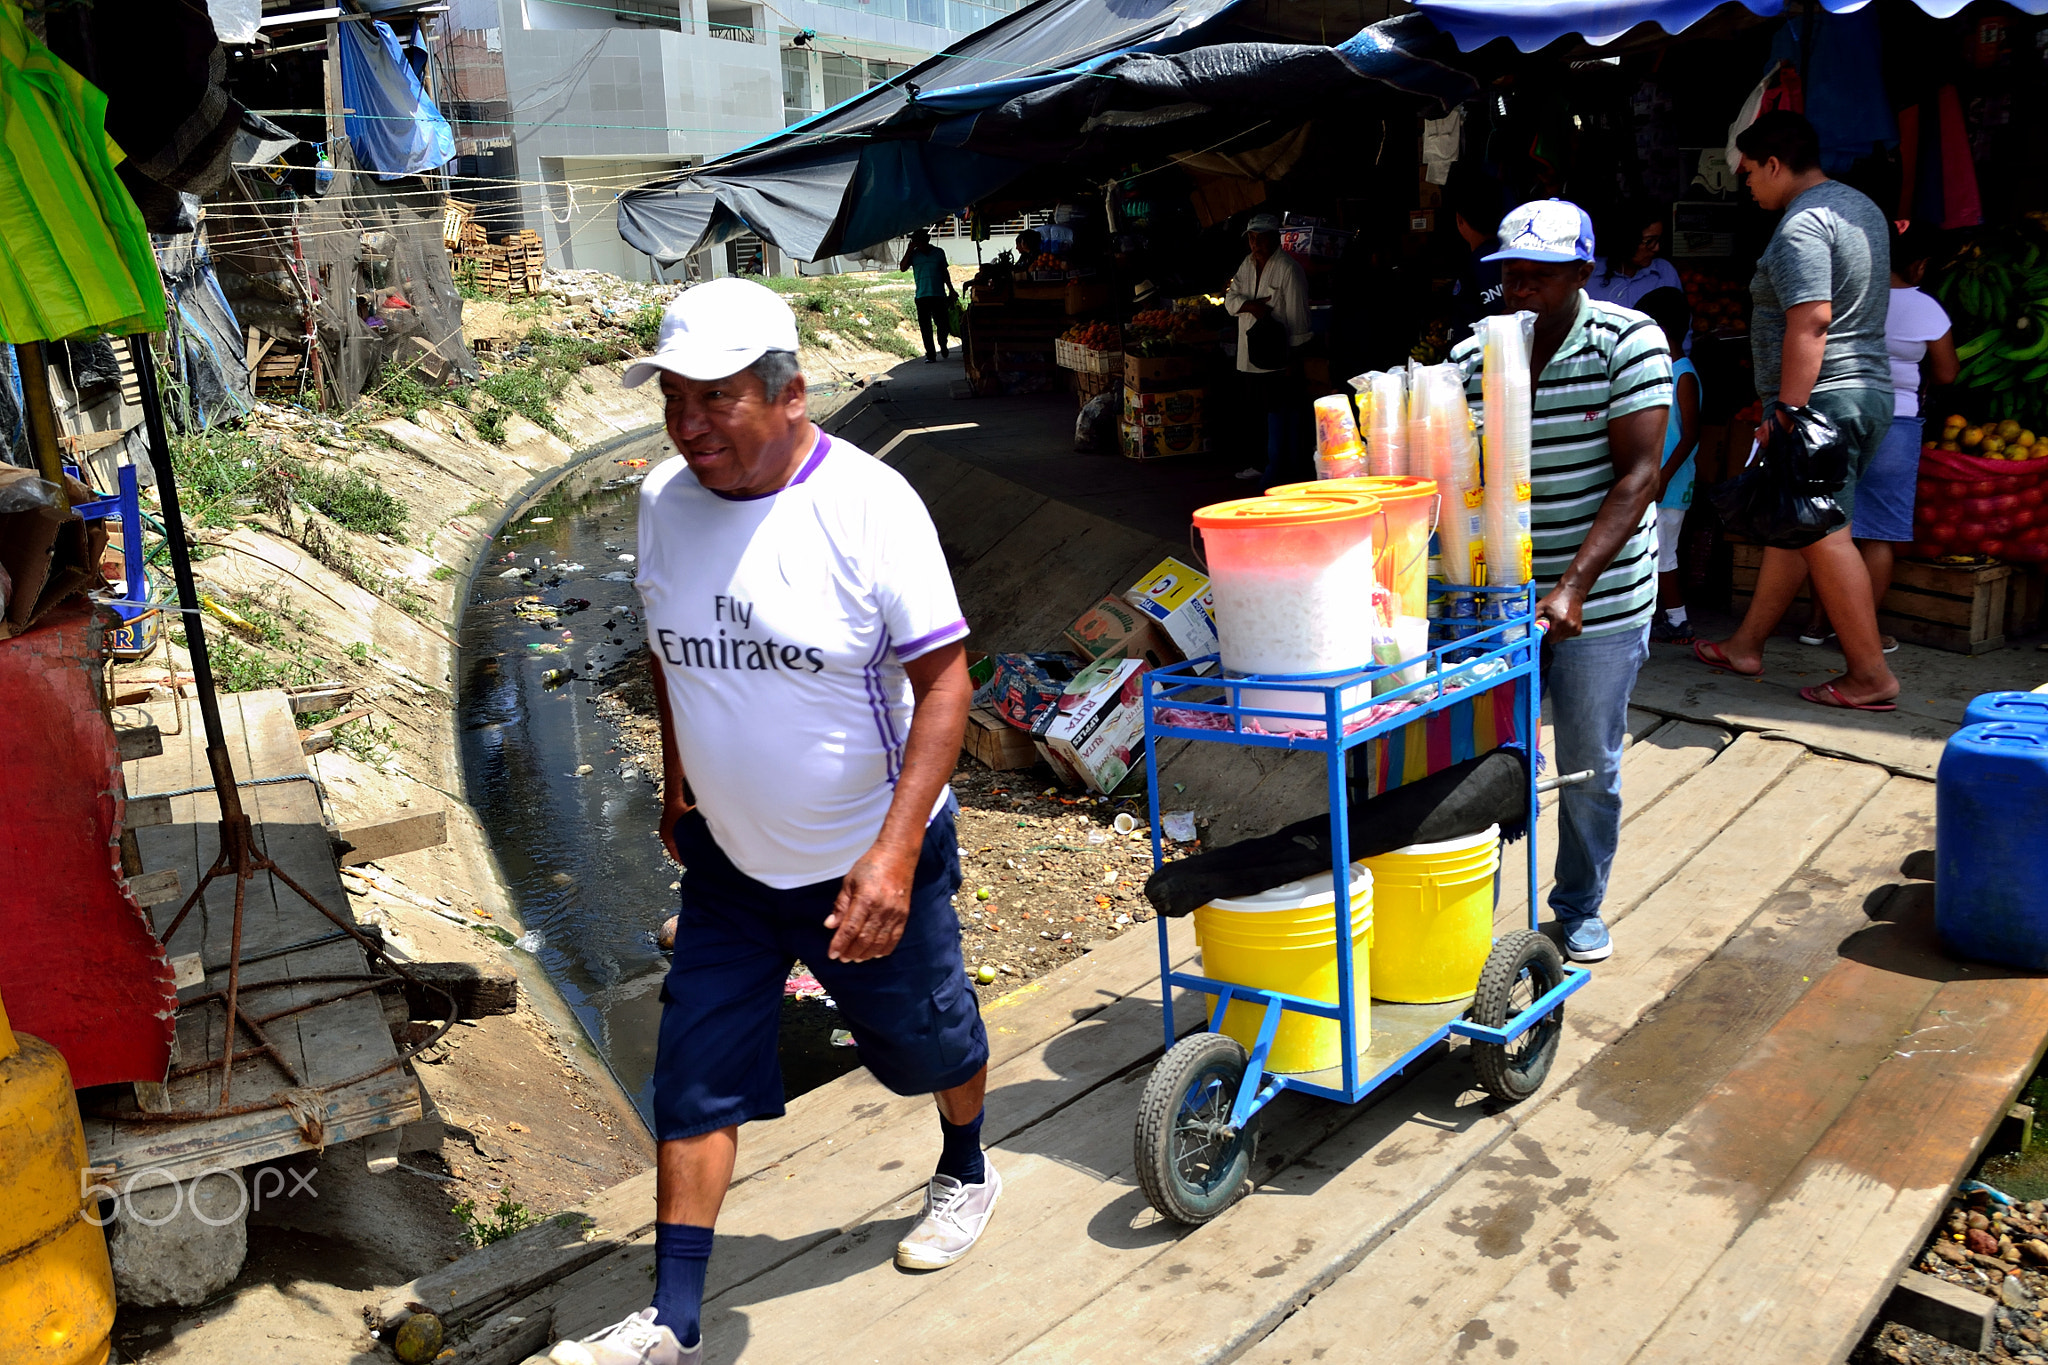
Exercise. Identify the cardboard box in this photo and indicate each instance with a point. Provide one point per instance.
(1165, 408)
(1150, 373)
(1178, 599)
(1162, 442)
(1114, 629)
(1097, 734)
(997, 743)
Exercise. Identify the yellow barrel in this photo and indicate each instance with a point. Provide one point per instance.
(1435, 918)
(1285, 940)
(56, 1287)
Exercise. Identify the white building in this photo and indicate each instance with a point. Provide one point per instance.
(560, 104)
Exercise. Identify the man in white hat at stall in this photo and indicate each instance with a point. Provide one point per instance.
(806, 648)
(1600, 380)
(1270, 287)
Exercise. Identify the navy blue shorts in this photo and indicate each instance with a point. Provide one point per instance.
(912, 1013)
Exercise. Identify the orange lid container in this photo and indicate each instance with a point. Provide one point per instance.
(1311, 506)
(1402, 561)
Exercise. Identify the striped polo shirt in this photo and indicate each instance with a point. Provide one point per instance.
(1613, 362)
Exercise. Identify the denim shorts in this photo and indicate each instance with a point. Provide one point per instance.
(912, 1014)
(1884, 500)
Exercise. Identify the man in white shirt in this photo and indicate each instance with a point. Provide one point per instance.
(1269, 284)
(813, 693)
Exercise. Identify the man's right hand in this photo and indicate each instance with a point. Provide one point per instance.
(1258, 308)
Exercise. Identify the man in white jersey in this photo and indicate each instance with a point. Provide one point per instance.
(813, 691)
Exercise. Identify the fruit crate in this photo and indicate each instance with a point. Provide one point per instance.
(1072, 355)
(1962, 608)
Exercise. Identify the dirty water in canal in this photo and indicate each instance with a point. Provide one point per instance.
(569, 812)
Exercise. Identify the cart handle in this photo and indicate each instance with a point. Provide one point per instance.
(1546, 784)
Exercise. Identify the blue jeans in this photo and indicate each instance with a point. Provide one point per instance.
(1588, 685)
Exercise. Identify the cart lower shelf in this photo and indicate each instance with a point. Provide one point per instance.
(1400, 1033)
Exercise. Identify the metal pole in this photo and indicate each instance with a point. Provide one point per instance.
(232, 819)
(39, 416)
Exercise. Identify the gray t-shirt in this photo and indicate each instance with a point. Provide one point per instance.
(1833, 244)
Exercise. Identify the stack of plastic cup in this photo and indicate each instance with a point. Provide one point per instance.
(1504, 512)
(1383, 403)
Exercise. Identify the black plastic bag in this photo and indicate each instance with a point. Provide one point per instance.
(1095, 428)
(1784, 497)
(1266, 344)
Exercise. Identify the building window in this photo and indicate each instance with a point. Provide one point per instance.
(796, 84)
(931, 12)
(881, 73)
(845, 77)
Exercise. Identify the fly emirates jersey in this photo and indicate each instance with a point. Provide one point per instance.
(782, 622)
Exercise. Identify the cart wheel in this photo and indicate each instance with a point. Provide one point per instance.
(1188, 1169)
(1521, 967)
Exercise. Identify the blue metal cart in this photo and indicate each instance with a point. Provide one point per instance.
(1196, 1130)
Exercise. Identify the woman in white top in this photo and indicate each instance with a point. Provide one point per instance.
(1634, 265)
(1923, 354)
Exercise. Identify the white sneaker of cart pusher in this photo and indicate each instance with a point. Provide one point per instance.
(954, 1216)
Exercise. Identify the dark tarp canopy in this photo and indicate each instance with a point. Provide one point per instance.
(1062, 82)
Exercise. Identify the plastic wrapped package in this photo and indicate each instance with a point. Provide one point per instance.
(1383, 410)
(1336, 429)
(1508, 396)
(1454, 465)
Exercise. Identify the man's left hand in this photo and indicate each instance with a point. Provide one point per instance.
(1561, 607)
(873, 906)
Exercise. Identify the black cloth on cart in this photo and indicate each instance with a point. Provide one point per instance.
(1454, 803)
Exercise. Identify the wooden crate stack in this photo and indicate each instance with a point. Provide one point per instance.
(1964, 608)
(512, 267)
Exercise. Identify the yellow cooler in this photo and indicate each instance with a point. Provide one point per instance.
(1434, 922)
(56, 1286)
(1285, 940)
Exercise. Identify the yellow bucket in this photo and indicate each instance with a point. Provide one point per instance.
(1435, 920)
(1284, 940)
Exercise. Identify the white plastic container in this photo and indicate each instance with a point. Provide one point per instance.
(1293, 582)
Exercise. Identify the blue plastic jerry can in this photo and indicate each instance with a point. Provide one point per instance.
(1991, 859)
(2025, 708)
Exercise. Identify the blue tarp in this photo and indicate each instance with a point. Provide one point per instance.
(393, 127)
(1531, 24)
(1074, 81)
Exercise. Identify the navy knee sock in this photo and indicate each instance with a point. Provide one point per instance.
(961, 1156)
(682, 1251)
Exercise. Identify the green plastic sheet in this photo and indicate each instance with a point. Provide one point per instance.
(75, 258)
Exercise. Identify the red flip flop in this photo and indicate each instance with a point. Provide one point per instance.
(1827, 695)
(1717, 659)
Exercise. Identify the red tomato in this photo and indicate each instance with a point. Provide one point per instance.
(1993, 547)
(1970, 533)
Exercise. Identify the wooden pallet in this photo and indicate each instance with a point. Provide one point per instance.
(513, 266)
(1964, 608)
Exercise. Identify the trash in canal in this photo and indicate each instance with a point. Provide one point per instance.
(555, 677)
(529, 942)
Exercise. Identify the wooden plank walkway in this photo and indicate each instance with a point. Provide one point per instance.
(1758, 1107)
(325, 1044)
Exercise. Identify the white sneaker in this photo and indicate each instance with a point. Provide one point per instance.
(639, 1340)
(1252, 473)
(954, 1216)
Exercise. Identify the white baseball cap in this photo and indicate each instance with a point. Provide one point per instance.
(1550, 230)
(715, 329)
